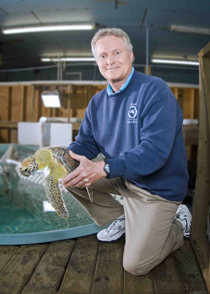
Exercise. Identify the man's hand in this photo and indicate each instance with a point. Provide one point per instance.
(85, 174)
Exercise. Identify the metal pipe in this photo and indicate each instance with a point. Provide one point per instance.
(147, 50)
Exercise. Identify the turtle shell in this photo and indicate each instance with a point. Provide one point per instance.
(62, 157)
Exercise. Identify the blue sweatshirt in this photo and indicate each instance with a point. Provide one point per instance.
(139, 130)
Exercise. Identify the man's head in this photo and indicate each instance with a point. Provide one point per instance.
(113, 53)
(111, 32)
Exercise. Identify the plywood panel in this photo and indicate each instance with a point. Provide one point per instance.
(5, 112)
(37, 106)
(16, 102)
(4, 101)
(28, 103)
(196, 108)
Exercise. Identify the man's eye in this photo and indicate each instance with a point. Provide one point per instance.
(117, 53)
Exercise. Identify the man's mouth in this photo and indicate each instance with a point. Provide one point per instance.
(112, 68)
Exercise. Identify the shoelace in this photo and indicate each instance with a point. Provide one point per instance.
(113, 224)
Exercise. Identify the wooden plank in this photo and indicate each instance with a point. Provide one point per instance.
(6, 253)
(139, 284)
(50, 270)
(38, 290)
(175, 92)
(196, 112)
(201, 248)
(80, 272)
(205, 52)
(32, 91)
(167, 277)
(22, 103)
(37, 105)
(186, 102)
(109, 270)
(190, 272)
(70, 91)
(205, 84)
(15, 103)
(5, 97)
(202, 195)
(70, 292)
(17, 272)
(190, 134)
(9, 124)
(199, 292)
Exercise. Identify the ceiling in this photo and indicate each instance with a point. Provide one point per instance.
(133, 16)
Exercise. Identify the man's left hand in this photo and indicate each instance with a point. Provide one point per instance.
(85, 174)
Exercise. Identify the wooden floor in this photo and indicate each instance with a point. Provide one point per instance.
(85, 265)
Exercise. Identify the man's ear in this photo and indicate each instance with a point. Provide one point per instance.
(131, 54)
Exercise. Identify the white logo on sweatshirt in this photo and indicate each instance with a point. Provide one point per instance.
(132, 113)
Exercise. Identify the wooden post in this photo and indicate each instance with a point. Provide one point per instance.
(69, 101)
(149, 70)
(202, 193)
(32, 102)
(23, 103)
(9, 113)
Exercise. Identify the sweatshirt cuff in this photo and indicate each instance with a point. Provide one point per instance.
(116, 167)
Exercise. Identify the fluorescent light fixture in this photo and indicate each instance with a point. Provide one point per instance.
(47, 59)
(49, 28)
(182, 29)
(183, 62)
(51, 98)
(68, 59)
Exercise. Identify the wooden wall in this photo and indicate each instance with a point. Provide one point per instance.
(23, 103)
(188, 99)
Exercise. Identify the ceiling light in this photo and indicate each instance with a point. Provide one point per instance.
(50, 28)
(68, 59)
(190, 30)
(175, 62)
(51, 98)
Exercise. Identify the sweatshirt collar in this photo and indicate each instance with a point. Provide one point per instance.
(109, 88)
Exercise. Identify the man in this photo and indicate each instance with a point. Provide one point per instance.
(137, 124)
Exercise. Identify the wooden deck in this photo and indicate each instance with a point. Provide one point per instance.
(85, 265)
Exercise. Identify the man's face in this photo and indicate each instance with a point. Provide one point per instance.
(113, 59)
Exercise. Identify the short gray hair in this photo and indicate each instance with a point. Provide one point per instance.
(111, 32)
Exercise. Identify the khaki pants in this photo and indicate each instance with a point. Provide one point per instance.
(151, 232)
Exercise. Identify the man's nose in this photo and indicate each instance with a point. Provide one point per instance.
(110, 59)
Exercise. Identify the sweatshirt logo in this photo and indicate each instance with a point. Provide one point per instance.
(132, 114)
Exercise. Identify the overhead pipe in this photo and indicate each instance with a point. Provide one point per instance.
(147, 50)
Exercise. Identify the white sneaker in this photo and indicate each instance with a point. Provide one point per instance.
(184, 216)
(114, 231)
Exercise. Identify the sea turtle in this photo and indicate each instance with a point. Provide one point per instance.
(54, 163)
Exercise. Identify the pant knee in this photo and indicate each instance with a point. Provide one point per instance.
(136, 269)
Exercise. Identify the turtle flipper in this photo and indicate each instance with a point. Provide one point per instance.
(55, 197)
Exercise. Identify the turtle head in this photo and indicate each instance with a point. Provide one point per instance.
(28, 166)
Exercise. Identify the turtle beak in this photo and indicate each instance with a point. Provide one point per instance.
(23, 172)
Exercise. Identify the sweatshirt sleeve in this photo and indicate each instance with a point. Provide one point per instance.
(159, 126)
(85, 143)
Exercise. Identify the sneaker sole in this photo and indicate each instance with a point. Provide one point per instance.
(111, 241)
